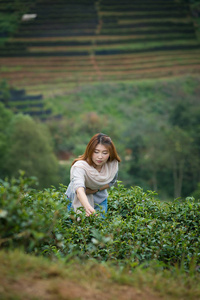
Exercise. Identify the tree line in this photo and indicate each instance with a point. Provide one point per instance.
(155, 126)
(26, 145)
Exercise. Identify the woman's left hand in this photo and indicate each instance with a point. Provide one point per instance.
(89, 191)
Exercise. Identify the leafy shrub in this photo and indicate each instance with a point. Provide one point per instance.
(137, 228)
(28, 217)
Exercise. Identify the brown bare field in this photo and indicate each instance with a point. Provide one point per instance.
(51, 289)
(82, 69)
(117, 45)
(90, 77)
(27, 277)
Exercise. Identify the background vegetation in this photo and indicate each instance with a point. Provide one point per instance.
(158, 132)
(158, 136)
(153, 123)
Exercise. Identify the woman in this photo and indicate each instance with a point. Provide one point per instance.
(92, 174)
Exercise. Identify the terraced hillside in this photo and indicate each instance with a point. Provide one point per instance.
(32, 105)
(72, 42)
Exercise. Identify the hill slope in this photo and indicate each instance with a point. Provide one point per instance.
(86, 41)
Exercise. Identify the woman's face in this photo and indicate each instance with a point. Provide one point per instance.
(100, 155)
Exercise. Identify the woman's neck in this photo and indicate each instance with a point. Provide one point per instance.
(98, 168)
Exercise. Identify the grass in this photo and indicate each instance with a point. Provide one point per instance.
(65, 103)
(28, 277)
(10, 68)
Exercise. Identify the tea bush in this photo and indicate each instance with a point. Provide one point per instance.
(137, 228)
(28, 217)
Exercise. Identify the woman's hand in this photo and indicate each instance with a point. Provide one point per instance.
(84, 201)
(89, 210)
(89, 191)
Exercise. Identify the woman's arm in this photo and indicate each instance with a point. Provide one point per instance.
(106, 186)
(80, 192)
(89, 191)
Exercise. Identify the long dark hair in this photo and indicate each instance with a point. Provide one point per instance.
(103, 139)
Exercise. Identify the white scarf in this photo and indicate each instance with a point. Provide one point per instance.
(93, 179)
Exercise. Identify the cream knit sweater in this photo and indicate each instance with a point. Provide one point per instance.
(93, 179)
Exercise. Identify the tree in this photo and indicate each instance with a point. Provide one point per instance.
(30, 149)
(5, 118)
(10, 18)
(179, 149)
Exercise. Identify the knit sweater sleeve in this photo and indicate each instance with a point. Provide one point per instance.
(78, 178)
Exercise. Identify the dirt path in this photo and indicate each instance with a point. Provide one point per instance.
(58, 289)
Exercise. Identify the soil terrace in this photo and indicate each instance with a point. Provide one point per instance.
(91, 41)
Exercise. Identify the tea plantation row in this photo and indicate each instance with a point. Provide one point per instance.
(137, 228)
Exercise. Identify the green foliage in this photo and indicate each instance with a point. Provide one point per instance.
(196, 193)
(5, 118)
(27, 217)
(155, 126)
(26, 145)
(195, 10)
(11, 18)
(8, 23)
(137, 228)
(29, 142)
(5, 91)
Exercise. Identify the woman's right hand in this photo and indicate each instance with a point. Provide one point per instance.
(84, 201)
(89, 210)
